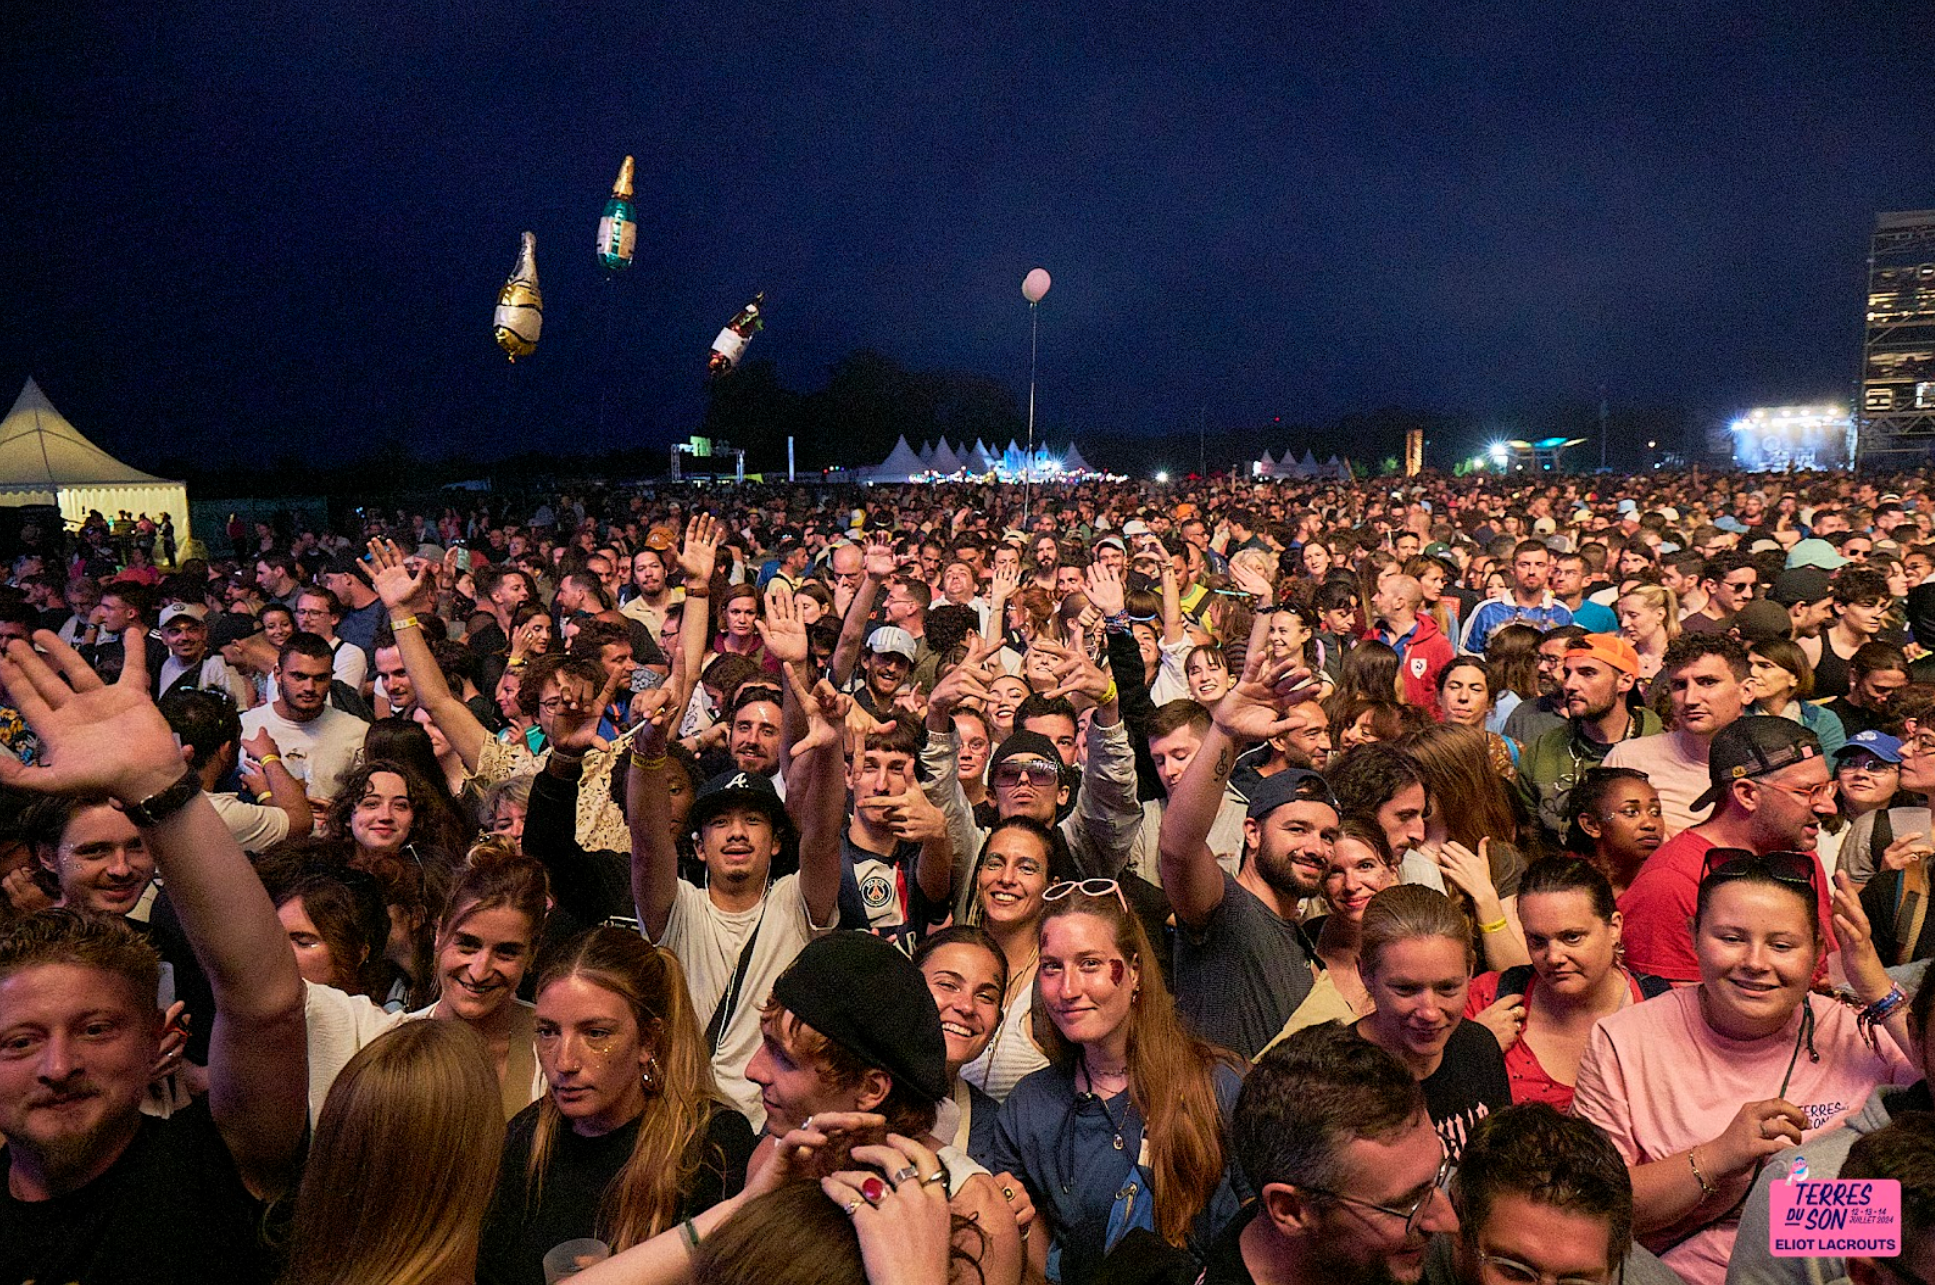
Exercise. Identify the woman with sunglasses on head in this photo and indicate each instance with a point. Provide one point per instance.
(1126, 1126)
(1542, 1013)
(1700, 1086)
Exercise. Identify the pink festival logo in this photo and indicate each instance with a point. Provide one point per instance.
(1835, 1218)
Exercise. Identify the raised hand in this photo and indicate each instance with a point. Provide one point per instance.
(1076, 676)
(967, 682)
(1105, 589)
(878, 557)
(574, 724)
(1005, 585)
(394, 582)
(653, 716)
(1254, 583)
(700, 551)
(1253, 709)
(814, 703)
(782, 630)
(98, 739)
(1866, 971)
(1471, 871)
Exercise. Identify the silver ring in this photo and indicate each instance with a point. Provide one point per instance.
(939, 1175)
(808, 1124)
(852, 1205)
(903, 1174)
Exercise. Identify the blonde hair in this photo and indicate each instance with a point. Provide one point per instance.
(404, 1162)
(643, 1198)
(1405, 911)
(1659, 598)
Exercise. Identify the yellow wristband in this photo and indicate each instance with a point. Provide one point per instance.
(264, 797)
(1496, 926)
(267, 759)
(644, 764)
(517, 662)
(1108, 695)
(408, 622)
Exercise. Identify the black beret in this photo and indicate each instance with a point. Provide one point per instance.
(864, 995)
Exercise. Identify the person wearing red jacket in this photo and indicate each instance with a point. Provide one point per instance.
(1422, 648)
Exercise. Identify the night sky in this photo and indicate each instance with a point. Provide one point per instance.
(264, 228)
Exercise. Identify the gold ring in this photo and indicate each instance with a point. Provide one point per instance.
(851, 1206)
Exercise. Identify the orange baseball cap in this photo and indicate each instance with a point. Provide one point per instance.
(1611, 648)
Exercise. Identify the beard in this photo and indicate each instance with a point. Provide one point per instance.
(1281, 872)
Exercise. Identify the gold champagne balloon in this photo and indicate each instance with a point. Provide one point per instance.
(519, 318)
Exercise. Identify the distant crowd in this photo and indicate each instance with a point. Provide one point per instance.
(1487, 880)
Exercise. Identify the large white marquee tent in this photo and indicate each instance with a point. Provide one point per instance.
(46, 460)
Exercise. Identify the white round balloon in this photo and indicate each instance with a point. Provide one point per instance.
(1035, 285)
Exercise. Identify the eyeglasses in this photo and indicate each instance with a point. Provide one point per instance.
(1409, 1216)
(1810, 794)
(1723, 865)
(1869, 767)
(1088, 888)
(1510, 1269)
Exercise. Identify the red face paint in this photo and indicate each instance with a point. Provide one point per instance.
(1116, 969)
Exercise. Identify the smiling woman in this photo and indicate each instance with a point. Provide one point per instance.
(1700, 1086)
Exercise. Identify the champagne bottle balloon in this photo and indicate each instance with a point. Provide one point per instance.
(519, 318)
(618, 229)
(730, 346)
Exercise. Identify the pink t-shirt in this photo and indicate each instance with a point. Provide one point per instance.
(1659, 1080)
(1658, 910)
(1676, 765)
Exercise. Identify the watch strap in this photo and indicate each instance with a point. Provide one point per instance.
(158, 807)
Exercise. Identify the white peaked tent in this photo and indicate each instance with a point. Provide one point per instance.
(945, 461)
(45, 460)
(1266, 466)
(926, 453)
(1073, 461)
(1309, 462)
(978, 459)
(899, 466)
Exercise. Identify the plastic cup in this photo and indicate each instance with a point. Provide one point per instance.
(572, 1257)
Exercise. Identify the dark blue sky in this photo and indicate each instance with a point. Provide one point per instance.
(292, 219)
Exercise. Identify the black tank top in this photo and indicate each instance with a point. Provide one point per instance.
(1831, 674)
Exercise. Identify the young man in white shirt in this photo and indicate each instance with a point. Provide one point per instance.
(320, 743)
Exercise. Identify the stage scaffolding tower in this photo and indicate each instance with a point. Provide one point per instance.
(1895, 406)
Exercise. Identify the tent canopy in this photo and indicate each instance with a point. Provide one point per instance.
(46, 460)
(899, 466)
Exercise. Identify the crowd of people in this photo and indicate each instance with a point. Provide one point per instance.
(1460, 880)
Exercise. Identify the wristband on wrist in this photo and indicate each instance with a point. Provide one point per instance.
(1495, 926)
(406, 622)
(565, 756)
(517, 662)
(1879, 1012)
(1108, 695)
(265, 797)
(645, 764)
(267, 759)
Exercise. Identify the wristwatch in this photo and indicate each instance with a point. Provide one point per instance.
(156, 808)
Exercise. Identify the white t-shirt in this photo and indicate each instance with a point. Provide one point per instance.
(212, 674)
(319, 753)
(255, 826)
(708, 941)
(350, 665)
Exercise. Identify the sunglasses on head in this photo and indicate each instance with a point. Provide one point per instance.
(1723, 865)
(1088, 888)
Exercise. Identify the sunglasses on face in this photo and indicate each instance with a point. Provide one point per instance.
(1026, 774)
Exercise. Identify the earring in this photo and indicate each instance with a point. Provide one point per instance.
(648, 1076)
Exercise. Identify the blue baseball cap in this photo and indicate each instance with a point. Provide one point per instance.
(1880, 744)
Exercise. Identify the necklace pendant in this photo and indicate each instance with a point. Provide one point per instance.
(1118, 1142)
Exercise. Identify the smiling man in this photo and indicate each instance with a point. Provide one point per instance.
(1243, 963)
(1331, 1133)
(1771, 783)
(1706, 677)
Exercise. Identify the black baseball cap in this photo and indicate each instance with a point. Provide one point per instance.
(1292, 785)
(1754, 746)
(1801, 584)
(737, 790)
